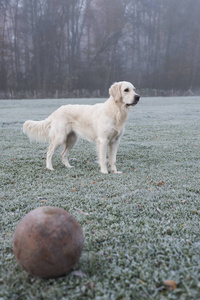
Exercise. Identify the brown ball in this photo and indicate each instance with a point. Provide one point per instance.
(48, 242)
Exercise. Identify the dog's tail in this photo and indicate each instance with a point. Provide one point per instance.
(37, 130)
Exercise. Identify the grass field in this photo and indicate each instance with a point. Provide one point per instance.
(141, 228)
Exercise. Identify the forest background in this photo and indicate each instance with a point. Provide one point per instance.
(78, 48)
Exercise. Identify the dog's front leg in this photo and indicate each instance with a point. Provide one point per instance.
(113, 146)
(102, 147)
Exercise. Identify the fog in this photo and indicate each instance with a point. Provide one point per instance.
(61, 48)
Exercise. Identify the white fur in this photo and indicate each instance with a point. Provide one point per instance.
(102, 123)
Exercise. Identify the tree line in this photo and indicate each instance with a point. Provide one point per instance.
(55, 48)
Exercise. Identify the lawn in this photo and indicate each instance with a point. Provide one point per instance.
(141, 228)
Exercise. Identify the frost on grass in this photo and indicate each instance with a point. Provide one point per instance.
(141, 228)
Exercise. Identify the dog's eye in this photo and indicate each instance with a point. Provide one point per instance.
(126, 90)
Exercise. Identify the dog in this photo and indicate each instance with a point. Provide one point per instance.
(102, 123)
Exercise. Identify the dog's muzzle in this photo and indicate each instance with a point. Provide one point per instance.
(135, 100)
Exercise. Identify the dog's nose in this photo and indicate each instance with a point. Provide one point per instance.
(137, 97)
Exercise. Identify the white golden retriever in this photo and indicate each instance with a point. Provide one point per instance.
(102, 123)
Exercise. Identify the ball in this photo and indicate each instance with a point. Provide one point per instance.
(48, 242)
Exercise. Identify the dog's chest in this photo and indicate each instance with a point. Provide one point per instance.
(116, 129)
(115, 133)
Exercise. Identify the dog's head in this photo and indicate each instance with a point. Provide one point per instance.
(124, 92)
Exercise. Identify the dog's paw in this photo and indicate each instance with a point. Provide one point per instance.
(51, 168)
(104, 171)
(116, 172)
(68, 166)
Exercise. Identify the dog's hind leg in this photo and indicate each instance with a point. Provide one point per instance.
(55, 143)
(70, 142)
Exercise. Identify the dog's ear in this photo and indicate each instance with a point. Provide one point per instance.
(115, 91)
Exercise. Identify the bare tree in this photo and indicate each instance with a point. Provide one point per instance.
(49, 47)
